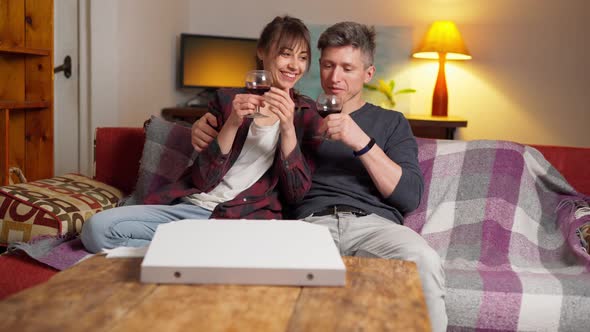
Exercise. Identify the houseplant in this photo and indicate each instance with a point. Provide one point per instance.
(388, 89)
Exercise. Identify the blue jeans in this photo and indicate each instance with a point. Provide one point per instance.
(133, 226)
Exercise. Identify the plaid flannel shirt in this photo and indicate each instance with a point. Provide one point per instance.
(286, 182)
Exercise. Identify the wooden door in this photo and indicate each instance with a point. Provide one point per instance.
(26, 88)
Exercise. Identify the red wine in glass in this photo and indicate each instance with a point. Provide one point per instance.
(328, 104)
(258, 82)
(325, 111)
(258, 90)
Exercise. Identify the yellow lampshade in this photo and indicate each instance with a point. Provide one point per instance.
(443, 42)
(442, 37)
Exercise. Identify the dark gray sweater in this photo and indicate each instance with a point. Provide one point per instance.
(341, 178)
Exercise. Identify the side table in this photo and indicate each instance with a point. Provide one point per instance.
(441, 127)
(184, 113)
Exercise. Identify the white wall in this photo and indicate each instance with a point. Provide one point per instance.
(133, 59)
(527, 82)
(104, 61)
(148, 41)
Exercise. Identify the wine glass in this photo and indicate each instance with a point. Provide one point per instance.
(258, 82)
(328, 104)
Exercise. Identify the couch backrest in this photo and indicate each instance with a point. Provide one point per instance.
(573, 163)
(117, 153)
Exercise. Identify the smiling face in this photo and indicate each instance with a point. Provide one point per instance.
(287, 64)
(343, 71)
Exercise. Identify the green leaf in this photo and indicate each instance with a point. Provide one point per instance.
(384, 87)
(405, 91)
(370, 86)
(387, 89)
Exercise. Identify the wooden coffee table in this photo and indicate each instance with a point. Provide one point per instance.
(102, 294)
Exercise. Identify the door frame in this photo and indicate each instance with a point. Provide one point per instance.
(86, 137)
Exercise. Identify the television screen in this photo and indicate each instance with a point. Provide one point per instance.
(215, 62)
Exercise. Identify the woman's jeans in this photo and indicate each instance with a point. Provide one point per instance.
(133, 226)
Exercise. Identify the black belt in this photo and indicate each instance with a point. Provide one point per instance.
(334, 209)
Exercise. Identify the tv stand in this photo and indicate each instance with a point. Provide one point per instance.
(202, 98)
(184, 114)
(197, 103)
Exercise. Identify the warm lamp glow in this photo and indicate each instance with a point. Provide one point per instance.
(442, 41)
(434, 56)
(442, 37)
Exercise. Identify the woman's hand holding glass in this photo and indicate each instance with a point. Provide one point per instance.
(244, 105)
(280, 103)
(258, 82)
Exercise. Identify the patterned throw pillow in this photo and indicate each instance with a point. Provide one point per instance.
(56, 207)
(167, 153)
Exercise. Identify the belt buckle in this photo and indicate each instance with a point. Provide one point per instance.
(354, 211)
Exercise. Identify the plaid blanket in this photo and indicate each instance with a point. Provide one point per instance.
(507, 226)
(167, 153)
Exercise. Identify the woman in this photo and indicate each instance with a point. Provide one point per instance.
(252, 167)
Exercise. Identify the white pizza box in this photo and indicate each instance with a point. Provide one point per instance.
(261, 252)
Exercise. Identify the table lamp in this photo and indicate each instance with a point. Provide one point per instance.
(442, 41)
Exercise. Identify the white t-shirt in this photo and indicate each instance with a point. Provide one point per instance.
(254, 160)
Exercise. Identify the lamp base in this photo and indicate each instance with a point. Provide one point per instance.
(440, 98)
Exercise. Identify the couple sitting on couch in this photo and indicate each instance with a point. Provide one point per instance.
(366, 175)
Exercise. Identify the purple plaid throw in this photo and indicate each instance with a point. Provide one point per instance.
(504, 222)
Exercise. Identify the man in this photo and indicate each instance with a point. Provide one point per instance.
(367, 174)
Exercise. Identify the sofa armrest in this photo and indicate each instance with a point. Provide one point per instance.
(117, 152)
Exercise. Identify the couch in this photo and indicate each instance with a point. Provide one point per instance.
(483, 291)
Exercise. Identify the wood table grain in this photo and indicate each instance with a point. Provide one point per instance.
(102, 294)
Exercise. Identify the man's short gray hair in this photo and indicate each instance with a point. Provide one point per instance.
(353, 34)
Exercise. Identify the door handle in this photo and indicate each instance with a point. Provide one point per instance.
(66, 67)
